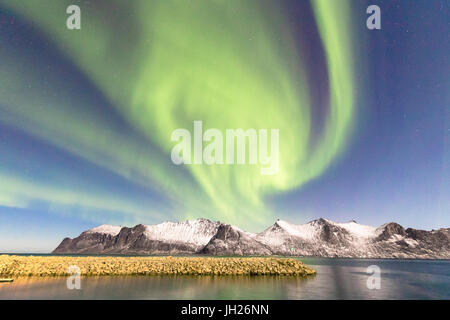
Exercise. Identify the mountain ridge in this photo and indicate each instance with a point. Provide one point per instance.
(318, 238)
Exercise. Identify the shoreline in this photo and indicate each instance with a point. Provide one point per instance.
(197, 255)
(46, 266)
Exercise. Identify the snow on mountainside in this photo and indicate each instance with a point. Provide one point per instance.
(322, 238)
(358, 230)
(197, 232)
(106, 229)
(307, 231)
(311, 231)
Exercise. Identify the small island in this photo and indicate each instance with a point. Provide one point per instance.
(46, 266)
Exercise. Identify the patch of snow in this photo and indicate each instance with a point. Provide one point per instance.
(197, 232)
(395, 238)
(249, 234)
(306, 231)
(106, 229)
(411, 242)
(359, 230)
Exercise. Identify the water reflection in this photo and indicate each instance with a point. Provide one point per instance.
(335, 279)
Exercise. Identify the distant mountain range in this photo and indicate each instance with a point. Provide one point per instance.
(319, 238)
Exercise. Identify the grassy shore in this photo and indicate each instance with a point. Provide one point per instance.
(44, 266)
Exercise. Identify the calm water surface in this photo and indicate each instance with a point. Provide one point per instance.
(335, 279)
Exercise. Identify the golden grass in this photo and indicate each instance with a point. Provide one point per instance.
(44, 266)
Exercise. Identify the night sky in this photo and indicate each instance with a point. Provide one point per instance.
(86, 115)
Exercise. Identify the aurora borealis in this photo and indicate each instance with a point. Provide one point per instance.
(86, 115)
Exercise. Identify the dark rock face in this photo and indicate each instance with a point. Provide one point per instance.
(391, 229)
(331, 233)
(232, 241)
(322, 238)
(86, 243)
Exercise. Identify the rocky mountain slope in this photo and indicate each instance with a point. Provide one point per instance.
(321, 238)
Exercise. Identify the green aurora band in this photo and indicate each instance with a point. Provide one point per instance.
(164, 64)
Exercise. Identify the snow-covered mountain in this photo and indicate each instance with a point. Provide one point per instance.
(322, 238)
(164, 238)
(194, 232)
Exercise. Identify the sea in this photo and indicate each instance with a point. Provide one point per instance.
(336, 279)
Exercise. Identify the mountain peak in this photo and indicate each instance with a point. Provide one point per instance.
(197, 232)
(106, 229)
(321, 237)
